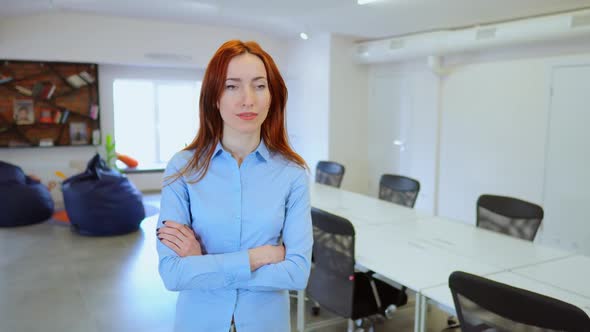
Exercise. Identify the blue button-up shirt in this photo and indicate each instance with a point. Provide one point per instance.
(233, 209)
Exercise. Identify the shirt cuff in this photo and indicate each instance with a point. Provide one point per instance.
(236, 267)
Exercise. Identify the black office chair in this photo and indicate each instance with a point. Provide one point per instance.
(508, 215)
(333, 282)
(486, 305)
(399, 189)
(329, 173)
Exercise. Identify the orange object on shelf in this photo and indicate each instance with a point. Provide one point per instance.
(130, 162)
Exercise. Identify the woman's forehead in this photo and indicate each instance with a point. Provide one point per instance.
(246, 66)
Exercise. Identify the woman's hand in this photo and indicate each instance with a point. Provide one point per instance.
(180, 238)
(264, 255)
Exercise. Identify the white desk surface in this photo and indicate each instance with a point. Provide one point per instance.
(407, 261)
(442, 294)
(499, 250)
(571, 274)
(360, 209)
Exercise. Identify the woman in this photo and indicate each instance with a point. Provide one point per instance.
(235, 223)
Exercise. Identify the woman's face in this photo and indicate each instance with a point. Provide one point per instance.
(245, 99)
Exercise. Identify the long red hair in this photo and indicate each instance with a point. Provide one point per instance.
(273, 130)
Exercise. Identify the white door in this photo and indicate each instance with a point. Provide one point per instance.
(567, 170)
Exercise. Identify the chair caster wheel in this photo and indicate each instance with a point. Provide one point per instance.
(315, 311)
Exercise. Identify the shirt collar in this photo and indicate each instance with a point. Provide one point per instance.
(218, 149)
(261, 151)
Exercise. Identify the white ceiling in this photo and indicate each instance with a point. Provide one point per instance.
(385, 18)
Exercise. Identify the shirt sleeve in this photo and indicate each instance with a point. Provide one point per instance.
(293, 272)
(193, 272)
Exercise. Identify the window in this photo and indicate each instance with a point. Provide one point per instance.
(154, 119)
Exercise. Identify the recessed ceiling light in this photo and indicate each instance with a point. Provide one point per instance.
(304, 36)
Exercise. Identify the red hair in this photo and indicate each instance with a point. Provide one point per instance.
(273, 131)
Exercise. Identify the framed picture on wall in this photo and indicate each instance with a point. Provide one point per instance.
(78, 133)
(24, 112)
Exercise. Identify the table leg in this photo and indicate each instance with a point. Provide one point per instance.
(417, 312)
(301, 310)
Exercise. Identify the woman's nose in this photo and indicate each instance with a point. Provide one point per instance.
(249, 97)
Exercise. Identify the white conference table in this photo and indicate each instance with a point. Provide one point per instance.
(572, 274)
(360, 209)
(442, 294)
(421, 251)
(464, 240)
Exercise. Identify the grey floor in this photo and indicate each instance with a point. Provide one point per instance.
(52, 280)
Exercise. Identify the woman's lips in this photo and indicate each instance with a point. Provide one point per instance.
(247, 116)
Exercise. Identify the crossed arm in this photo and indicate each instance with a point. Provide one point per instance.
(184, 264)
(185, 242)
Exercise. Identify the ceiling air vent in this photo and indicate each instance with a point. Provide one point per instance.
(485, 33)
(395, 44)
(580, 20)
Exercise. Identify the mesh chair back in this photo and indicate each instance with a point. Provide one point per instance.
(487, 305)
(509, 215)
(399, 189)
(329, 173)
(331, 282)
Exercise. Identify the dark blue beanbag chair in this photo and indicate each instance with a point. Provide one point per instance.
(101, 201)
(23, 200)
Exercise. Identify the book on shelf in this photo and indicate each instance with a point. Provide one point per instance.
(23, 90)
(4, 78)
(76, 81)
(57, 117)
(86, 77)
(45, 116)
(64, 116)
(43, 90)
(50, 92)
(37, 89)
(93, 112)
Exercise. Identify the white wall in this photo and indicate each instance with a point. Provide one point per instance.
(348, 114)
(403, 105)
(308, 108)
(102, 39)
(494, 118)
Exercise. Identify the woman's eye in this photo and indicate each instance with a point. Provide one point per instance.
(231, 87)
(261, 87)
